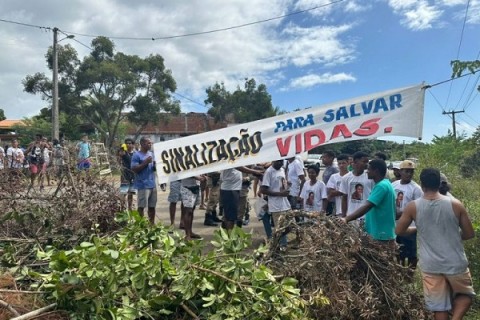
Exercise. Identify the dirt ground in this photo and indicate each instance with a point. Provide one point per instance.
(162, 216)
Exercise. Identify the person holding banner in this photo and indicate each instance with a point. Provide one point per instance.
(296, 179)
(230, 187)
(274, 185)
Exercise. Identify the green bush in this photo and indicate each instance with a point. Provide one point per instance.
(144, 271)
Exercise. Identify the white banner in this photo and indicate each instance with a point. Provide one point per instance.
(390, 113)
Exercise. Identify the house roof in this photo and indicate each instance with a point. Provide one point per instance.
(8, 124)
(183, 124)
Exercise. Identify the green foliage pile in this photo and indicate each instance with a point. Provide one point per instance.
(145, 271)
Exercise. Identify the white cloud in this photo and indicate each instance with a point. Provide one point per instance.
(318, 44)
(312, 80)
(452, 3)
(355, 6)
(417, 14)
(422, 16)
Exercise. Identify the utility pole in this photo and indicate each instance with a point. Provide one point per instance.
(453, 121)
(55, 117)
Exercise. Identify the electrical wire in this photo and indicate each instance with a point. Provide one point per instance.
(66, 34)
(428, 86)
(186, 34)
(26, 24)
(458, 49)
(189, 99)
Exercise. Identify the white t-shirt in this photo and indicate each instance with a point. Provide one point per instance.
(276, 182)
(295, 169)
(404, 193)
(2, 158)
(357, 189)
(313, 195)
(46, 155)
(231, 179)
(334, 183)
(15, 158)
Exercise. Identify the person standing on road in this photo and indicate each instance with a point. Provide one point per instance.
(406, 190)
(350, 182)
(35, 152)
(174, 196)
(379, 207)
(295, 179)
(213, 184)
(328, 157)
(143, 164)
(333, 184)
(441, 223)
(128, 175)
(274, 185)
(83, 154)
(190, 192)
(230, 193)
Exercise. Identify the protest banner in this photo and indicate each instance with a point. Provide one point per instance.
(396, 112)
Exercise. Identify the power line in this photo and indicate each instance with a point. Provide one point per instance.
(458, 50)
(189, 99)
(438, 102)
(187, 34)
(26, 24)
(66, 34)
(428, 86)
(475, 121)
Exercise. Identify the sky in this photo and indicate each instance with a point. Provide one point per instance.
(307, 52)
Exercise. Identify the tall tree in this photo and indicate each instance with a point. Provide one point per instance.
(2, 115)
(251, 103)
(108, 87)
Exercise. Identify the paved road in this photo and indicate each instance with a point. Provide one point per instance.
(162, 216)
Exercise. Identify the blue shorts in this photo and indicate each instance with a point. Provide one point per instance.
(84, 164)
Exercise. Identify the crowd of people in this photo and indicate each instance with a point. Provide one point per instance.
(356, 190)
(42, 160)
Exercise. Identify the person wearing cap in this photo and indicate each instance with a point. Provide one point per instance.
(396, 172)
(406, 190)
(441, 223)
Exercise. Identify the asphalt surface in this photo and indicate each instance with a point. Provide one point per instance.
(255, 227)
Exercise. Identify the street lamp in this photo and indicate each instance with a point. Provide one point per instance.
(55, 116)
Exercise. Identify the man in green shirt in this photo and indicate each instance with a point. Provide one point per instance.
(380, 205)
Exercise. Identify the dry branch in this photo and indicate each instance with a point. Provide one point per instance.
(7, 306)
(35, 313)
(358, 275)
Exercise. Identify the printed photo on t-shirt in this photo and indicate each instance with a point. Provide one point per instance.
(283, 184)
(310, 201)
(399, 199)
(357, 191)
